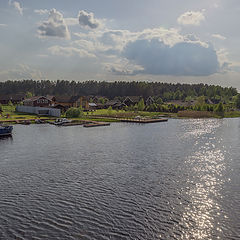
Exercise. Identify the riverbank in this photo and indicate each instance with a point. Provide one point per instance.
(9, 115)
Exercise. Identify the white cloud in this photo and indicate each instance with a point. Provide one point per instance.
(17, 6)
(87, 20)
(21, 71)
(191, 18)
(41, 11)
(123, 67)
(3, 25)
(218, 36)
(181, 59)
(55, 26)
(156, 51)
(71, 21)
(69, 52)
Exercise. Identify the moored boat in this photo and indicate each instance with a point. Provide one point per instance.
(5, 130)
(61, 121)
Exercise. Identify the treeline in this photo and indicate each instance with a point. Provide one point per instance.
(166, 91)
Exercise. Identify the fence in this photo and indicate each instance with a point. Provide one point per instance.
(40, 110)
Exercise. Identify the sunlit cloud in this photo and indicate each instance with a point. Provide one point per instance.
(55, 26)
(191, 18)
(218, 36)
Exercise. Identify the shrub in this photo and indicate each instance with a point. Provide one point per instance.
(74, 112)
(219, 108)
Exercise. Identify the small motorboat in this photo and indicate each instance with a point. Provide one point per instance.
(5, 130)
(61, 121)
(39, 121)
(26, 122)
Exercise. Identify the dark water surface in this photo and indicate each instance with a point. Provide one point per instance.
(174, 180)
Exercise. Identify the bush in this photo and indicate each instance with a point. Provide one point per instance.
(74, 112)
(219, 108)
(109, 110)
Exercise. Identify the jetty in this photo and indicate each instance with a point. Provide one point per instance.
(96, 124)
(147, 120)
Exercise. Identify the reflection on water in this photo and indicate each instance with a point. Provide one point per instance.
(175, 180)
(207, 166)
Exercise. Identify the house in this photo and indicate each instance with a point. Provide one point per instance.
(37, 101)
(115, 104)
(14, 98)
(149, 101)
(72, 101)
(131, 100)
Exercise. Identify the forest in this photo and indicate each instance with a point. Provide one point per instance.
(110, 90)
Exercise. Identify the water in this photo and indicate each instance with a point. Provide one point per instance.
(174, 180)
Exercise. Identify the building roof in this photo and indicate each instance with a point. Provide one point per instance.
(133, 99)
(69, 99)
(16, 97)
(32, 99)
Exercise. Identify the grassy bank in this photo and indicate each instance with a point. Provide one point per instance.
(105, 115)
(9, 114)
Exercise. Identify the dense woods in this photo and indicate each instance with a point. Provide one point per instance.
(165, 91)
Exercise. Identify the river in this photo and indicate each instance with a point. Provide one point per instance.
(174, 180)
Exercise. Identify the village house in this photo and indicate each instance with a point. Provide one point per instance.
(66, 102)
(149, 101)
(37, 101)
(14, 98)
(131, 100)
(114, 104)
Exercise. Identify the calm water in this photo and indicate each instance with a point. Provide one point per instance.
(175, 180)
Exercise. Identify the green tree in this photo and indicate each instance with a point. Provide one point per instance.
(10, 103)
(219, 108)
(1, 108)
(141, 105)
(237, 101)
(74, 112)
(109, 110)
(29, 94)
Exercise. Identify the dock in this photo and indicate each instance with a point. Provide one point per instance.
(96, 124)
(150, 120)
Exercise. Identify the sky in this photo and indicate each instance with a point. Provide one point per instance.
(187, 41)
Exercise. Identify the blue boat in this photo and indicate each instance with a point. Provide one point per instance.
(5, 130)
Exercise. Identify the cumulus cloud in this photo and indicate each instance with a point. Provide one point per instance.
(17, 6)
(191, 18)
(182, 59)
(156, 51)
(218, 36)
(87, 20)
(55, 26)
(69, 51)
(41, 11)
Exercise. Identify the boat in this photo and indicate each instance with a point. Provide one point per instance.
(39, 121)
(61, 121)
(6, 130)
(26, 122)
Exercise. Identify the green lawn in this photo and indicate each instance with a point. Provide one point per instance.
(9, 113)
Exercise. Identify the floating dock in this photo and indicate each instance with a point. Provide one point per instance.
(150, 120)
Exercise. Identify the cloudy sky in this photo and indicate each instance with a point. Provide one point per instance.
(187, 41)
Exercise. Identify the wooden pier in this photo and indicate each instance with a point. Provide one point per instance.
(150, 120)
(96, 124)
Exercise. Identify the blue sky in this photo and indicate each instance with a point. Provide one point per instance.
(185, 41)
